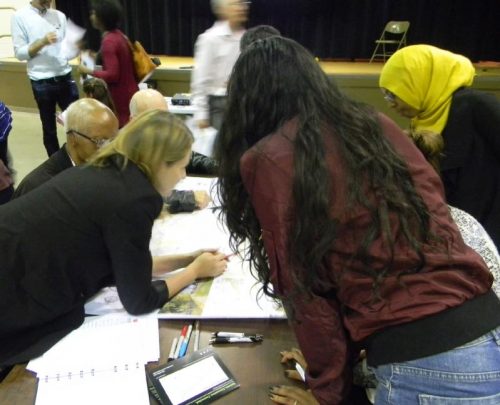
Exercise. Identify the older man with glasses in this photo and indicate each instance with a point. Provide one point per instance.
(89, 125)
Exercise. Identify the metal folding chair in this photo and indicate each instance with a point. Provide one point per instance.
(392, 38)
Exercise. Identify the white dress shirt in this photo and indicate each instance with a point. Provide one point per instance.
(215, 53)
(28, 25)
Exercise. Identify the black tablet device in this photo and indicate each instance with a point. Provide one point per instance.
(198, 378)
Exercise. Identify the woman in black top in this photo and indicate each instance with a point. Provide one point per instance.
(90, 227)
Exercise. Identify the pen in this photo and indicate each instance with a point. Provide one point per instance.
(246, 339)
(235, 334)
(301, 371)
(179, 343)
(197, 336)
(228, 334)
(185, 342)
(172, 349)
(178, 348)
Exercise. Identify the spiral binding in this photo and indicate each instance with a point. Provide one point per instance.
(92, 372)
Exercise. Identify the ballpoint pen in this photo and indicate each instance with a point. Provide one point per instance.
(223, 334)
(216, 339)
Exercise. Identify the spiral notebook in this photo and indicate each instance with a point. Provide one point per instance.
(101, 362)
(115, 386)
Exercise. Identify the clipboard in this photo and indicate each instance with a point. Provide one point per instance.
(199, 378)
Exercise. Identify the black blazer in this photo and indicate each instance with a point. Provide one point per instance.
(62, 242)
(470, 167)
(178, 201)
(55, 164)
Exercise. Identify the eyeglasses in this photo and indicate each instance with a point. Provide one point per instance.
(98, 142)
(389, 96)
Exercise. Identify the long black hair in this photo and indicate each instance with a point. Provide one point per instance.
(276, 80)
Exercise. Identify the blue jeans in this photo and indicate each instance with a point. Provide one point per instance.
(47, 96)
(466, 375)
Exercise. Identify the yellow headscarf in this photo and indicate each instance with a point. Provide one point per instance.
(425, 77)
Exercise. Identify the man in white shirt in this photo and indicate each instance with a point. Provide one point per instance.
(215, 53)
(37, 33)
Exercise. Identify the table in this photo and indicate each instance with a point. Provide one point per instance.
(255, 366)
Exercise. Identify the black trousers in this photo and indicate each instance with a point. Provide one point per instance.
(49, 93)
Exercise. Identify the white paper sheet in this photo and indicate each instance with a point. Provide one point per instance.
(102, 343)
(69, 44)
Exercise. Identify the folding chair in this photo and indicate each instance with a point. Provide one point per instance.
(393, 36)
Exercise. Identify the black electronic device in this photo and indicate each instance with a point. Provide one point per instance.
(199, 378)
(181, 99)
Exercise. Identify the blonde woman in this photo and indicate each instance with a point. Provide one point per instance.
(94, 231)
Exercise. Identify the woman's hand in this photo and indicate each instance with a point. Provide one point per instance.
(198, 252)
(85, 70)
(283, 394)
(202, 198)
(293, 355)
(208, 264)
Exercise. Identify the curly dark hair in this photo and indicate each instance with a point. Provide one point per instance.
(273, 81)
(109, 13)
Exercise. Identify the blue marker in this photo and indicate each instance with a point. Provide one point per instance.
(185, 342)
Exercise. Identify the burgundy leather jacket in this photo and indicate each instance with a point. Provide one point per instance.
(327, 325)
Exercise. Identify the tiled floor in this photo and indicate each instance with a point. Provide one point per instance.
(25, 142)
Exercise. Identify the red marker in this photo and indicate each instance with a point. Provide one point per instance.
(184, 331)
(181, 340)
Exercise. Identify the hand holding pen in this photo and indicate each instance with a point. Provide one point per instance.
(294, 357)
(209, 264)
(283, 394)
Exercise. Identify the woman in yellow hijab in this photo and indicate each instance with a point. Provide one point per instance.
(425, 78)
(431, 87)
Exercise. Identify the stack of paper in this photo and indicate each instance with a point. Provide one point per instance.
(100, 362)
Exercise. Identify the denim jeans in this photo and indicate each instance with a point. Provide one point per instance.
(467, 375)
(47, 96)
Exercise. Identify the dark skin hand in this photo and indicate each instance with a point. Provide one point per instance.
(284, 394)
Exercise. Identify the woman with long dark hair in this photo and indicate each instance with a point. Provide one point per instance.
(348, 225)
